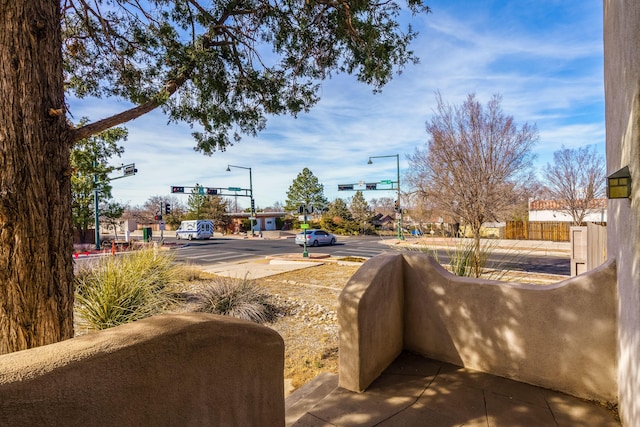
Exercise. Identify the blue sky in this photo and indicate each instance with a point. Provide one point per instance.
(544, 57)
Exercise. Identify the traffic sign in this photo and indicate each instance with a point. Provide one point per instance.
(386, 181)
(234, 188)
(252, 218)
(130, 169)
(303, 226)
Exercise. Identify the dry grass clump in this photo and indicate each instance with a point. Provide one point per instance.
(123, 289)
(238, 298)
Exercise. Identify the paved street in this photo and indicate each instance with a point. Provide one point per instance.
(232, 249)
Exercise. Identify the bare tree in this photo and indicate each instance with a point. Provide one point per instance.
(575, 180)
(383, 205)
(475, 160)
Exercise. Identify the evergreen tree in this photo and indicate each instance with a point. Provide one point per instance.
(359, 207)
(339, 211)
(306, 190)
(222, 66)
(197, 203)
(204, 206)
(90, 172)
(360, 210)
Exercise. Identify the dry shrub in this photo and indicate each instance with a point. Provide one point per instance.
(238, 298)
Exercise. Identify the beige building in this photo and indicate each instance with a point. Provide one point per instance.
(622, 93)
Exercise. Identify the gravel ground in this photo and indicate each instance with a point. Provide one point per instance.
(309, 321)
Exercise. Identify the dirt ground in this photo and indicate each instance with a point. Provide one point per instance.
(309, 324)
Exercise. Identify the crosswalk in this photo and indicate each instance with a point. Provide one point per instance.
(361, 252)
(194, 256)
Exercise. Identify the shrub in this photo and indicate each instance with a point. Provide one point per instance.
(123, 289)
(237, 298)
(460, 253)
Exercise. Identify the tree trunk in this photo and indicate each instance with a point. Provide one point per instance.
(36, 267)
(477, 261)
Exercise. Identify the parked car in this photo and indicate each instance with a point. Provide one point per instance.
(315, 238)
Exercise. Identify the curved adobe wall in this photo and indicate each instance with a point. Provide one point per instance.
(370, 321)
(561, 336)
(181, 369)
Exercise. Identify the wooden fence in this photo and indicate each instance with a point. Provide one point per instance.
(553, 231)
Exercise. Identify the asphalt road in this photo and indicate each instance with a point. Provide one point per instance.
(222, 250)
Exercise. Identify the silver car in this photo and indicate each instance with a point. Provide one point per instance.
(315, 238)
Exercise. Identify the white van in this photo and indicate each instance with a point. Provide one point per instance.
(195, 229)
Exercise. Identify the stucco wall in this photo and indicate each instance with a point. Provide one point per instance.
(622, 95)
(370, 321)
(561, 336)
(191, 369)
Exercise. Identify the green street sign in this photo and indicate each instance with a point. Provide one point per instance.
(303, 226)
(386, 181)
(234, 188)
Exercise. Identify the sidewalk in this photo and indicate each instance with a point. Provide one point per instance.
(259, 267)
(416, 391)
(539, 247)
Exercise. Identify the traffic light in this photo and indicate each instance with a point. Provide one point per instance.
(177, 189)
(396, 206)
(301, 209)
(167, 208)
(212, 191)
(253, 205)
(158, 217)
(345, 187)
(371, 186)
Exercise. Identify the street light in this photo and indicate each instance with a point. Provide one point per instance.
(397, 156)
(253, 212)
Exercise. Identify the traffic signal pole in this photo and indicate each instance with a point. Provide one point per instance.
(95, 207)
(305, 253)
(372, 186)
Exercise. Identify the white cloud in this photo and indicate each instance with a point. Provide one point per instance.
(545, 58)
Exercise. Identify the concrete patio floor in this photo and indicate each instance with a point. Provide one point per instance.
(415, 391)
